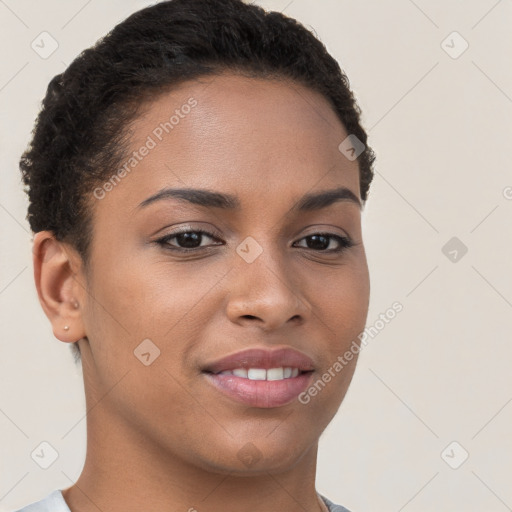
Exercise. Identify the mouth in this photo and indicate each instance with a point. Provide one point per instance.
(261, 378)
(270, 374)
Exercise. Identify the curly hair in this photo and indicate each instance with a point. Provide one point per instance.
(82, 132)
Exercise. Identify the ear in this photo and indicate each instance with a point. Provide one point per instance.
(60, 285)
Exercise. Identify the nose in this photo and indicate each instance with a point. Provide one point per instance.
(265, 294)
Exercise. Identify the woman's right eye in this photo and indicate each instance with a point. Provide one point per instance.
(186, 240)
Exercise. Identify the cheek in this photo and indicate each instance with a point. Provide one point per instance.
(343, 309)
(163, 301)
(131, 304)
(342, 313)
(341, 298)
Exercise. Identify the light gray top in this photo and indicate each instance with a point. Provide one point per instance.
(54, 502)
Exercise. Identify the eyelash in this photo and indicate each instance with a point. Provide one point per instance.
(343, 241)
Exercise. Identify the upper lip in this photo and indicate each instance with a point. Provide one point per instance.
(262, 358)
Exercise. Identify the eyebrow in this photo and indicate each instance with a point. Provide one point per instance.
(210, 199)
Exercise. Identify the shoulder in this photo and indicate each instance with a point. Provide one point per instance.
(332, 506)
(54, 502)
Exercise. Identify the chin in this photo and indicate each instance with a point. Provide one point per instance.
(257, 456)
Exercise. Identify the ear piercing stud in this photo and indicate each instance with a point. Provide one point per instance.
(75, 305)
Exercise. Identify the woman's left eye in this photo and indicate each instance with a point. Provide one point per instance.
(187, 241)
(322, 242)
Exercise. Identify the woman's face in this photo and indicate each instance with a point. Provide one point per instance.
(157, 318)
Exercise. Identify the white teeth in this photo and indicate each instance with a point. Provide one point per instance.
(263, 374)
(256, 374)
(275, 374)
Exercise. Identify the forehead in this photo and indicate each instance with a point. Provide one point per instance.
(256, 138)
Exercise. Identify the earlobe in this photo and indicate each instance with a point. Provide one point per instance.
(56, 275)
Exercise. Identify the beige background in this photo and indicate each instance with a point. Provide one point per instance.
(440, 370)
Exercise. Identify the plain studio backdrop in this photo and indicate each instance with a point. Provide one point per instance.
(426, 422)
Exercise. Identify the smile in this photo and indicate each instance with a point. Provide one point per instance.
(259, 387)
(263, 374)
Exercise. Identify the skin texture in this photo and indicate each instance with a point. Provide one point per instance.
(160, 437)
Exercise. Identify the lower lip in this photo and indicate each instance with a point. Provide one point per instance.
(260, 393)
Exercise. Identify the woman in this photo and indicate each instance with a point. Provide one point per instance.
(196, 181)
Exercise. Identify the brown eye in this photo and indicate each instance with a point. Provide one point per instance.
(187, 240)
(323, 242)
